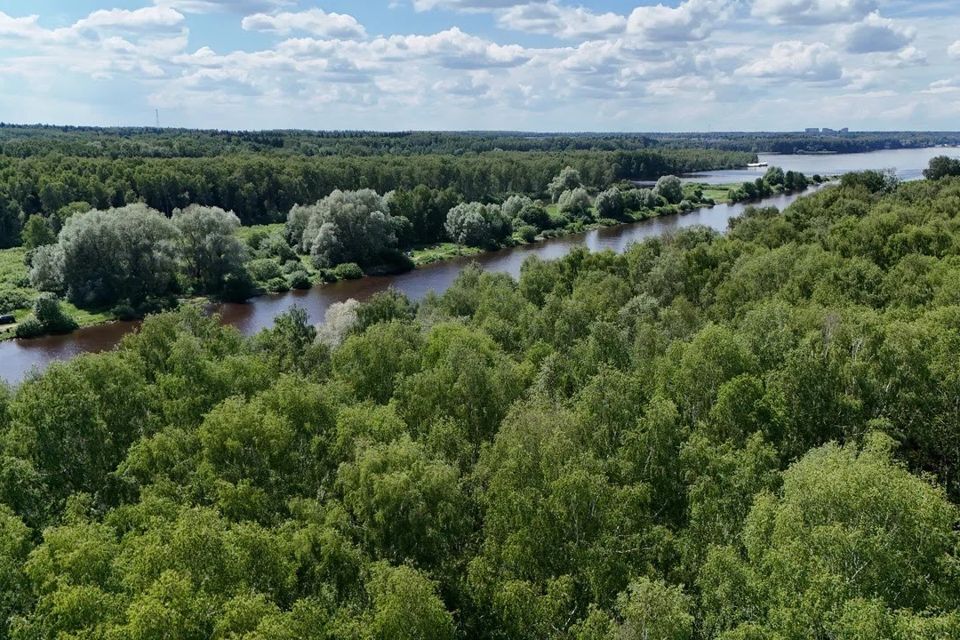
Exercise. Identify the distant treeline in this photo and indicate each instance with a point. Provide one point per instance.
(263, 188)
(22, 141)
(796, 143)
(25, 141)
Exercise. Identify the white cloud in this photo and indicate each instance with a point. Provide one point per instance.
(910, 57)
(243, 7)
(954, 50)
(691, 20)
(315, 21)
(876, 34)
(467, 5)
(551, 18)
(943, 86)
(147, 17)
(19, 27)
(813, 11)
(814, 62)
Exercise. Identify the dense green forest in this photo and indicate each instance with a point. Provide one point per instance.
(21, 141)
(799, 142)
(752, 435)
(263, 188)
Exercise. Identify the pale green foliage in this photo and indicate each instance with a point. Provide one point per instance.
(670, 189)
(567, 180)
(126, 254)
(477, 225)
(346, 226)
(339, 319)
(849, 526)
(513, 205)
(575, 203)
(610, 204)
(209, 248)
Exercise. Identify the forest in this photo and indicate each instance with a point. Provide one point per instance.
(263, 188)
(752, 435)
(22, 141)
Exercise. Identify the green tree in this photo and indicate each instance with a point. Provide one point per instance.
(37, 232)
(209, 248)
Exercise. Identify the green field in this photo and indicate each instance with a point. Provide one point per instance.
(719, 193)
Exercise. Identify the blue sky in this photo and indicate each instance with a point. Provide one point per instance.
(546, 65)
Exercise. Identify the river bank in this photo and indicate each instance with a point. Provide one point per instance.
(14, 273)
(19, 357)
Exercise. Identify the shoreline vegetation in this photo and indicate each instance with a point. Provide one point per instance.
(709, 436)
(285, 269)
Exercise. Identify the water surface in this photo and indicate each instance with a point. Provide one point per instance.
(908, 164)
(19, 357)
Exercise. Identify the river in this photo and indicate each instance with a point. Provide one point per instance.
(908, 164)
(19, 357)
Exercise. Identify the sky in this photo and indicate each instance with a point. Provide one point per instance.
(532, 65)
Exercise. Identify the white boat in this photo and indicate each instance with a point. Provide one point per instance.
(757, 165)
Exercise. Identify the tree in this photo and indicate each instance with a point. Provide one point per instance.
(670, 188)
(209, 248)
(575, 204)
(37, 232)
(567, 180)
(9, 222)
(942, 167)
(477, 225)
(610, 204)
(409, 507)
(513, 205)
(121, 255)
(346, 226)
(650, 610)
(774, 176)
(850, 526)
(406, 606)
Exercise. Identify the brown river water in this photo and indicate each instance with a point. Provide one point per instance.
(18, 358)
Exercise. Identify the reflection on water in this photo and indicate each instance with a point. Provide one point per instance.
(19, 357)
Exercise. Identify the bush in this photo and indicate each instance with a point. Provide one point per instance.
(348, 271)
(392, 263)
(10, 300)
(30, 328)
(670, 188)
(264, 269)
(124, 312)
(278, 285)
(610, 204)
(48, 317)
(535, 215)
(237, 287)
(527, 233)
(299, 280)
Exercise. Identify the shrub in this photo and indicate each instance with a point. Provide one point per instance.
(299, 280)
(48, 317)
(527, 233)
(278, 285)
(237, 287)
(30, 328)
(10, 300)
(348, 271)
(264, 269)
